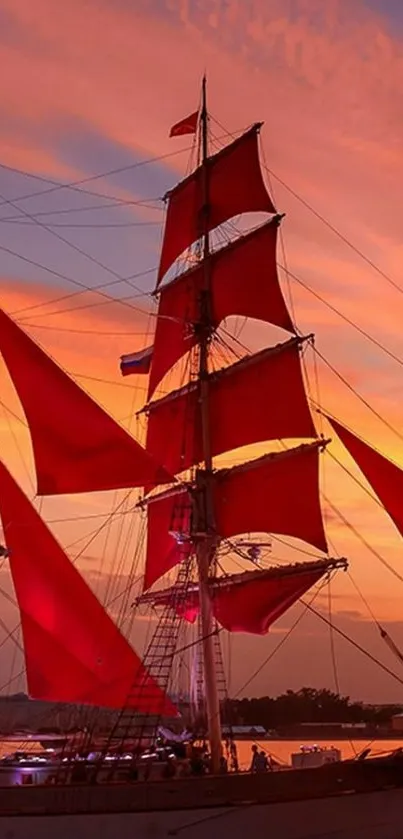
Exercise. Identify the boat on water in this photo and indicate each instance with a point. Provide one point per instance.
(194, 512)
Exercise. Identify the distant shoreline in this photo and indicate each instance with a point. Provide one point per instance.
(325, 737)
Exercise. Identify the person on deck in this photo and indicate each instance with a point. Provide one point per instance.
(234, 757)
(255, 755)
(259, 761)
(263, 762)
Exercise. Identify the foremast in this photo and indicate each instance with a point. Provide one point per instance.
(203, 517)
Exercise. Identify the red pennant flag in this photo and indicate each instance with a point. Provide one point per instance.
(185, 126)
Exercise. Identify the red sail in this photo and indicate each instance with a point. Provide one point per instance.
(243, 281)
(277, 493)
(384, 476)
(254, 606)
(241, 410)
(235, 186)
(73, 650)
(168, 519)
(77, 446)
(250, 602)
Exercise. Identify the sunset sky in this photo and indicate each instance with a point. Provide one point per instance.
(93, 87)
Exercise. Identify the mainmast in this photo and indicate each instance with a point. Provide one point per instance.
(225, 410)
(204, 513)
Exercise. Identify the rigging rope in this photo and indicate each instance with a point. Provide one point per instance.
(331, 637)
(337, 233)
(280, 643)
(282, 242)
(73, 294)
(345, 318)
(93, 305)
(356, 393)
(363, 540)
(364, 600)
(107, 205)
(17, 446)
(71, 245)
(333, 654)
(356, 480)
(354, 643)
(96, 332)
(383, 633)
(59, 275)
(10, 633)
(324, 221)
(113, 573)
(76, 185)
(81, 225)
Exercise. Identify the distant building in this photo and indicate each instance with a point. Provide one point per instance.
(396, 722)
(332, 724)
(245, 732)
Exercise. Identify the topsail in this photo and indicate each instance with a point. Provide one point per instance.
(252, 256)
(235, 186)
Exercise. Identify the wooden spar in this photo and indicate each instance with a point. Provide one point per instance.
(204, 518)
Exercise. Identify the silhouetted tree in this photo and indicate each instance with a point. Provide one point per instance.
(306, 705)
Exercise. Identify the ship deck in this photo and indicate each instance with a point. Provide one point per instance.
(204, 792)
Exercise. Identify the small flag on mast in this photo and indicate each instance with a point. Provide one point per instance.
(136, 362)
(185, 126)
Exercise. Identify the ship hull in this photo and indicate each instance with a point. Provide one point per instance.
(377, 815)
(343, 801)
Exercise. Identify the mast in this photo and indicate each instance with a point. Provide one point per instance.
(204, 518)
(222, 186)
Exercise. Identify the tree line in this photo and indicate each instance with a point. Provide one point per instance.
(306, 705)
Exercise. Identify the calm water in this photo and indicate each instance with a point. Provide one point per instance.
(281, 750)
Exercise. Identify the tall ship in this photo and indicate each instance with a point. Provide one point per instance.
(196, 513)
